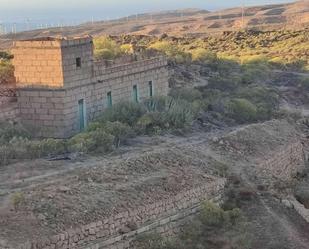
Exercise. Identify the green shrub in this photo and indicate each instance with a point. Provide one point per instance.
(171, 50)
(124, 112)
(105, 54)
(179, 114)
(242, 110)
(166, 47)
(6, 72)
(121, 132)
(211, 228)
(255, 71)
(212, 215)
(5, 55)
(48, 147)
(203, 55)
(166, 113)
(264, 98)
(152, 123)
(127, 49)
(156, 104)
(97, 141)
(21, 148)
(106, 48)
(9, 131)
(17, 200)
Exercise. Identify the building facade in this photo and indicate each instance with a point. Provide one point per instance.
(60, 86)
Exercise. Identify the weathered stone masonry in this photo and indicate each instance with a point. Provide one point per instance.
(60, 85)
(113, 232)
(283, 165)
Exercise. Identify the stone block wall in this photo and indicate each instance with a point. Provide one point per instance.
(43, 111)
(283, 165)
(51, 62)
(55, 112)
(71, 50)
(38, 63)
(118, 230)
(119, 81)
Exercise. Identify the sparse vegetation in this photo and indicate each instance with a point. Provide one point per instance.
(106, 48)
(111, 130)
(6, 72)
(17, 200)
(212, 228)
(242, 110)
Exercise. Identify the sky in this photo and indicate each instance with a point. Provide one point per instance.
(86, 10)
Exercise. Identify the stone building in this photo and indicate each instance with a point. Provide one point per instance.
(61, 87)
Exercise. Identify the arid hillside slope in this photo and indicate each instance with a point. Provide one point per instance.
(186, 22)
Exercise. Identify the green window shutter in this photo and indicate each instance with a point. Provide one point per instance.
(81, 110)
(109, 100)
(150, 89)
(135, 94)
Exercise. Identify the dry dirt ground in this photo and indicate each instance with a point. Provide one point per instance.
(58, 195)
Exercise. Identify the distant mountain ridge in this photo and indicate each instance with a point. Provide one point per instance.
(191, 22)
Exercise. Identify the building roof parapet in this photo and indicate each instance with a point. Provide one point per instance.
(56, 42)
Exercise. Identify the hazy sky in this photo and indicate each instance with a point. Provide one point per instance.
(19, 10)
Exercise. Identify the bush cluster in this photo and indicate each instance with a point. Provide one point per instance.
(106, 48)
(153, 115)
(111, 130)
(212, 228)
(6, 72)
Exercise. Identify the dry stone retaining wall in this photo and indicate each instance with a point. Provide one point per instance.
(118, 230)
(283, 165)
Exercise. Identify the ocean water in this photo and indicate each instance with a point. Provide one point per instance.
(14, 27)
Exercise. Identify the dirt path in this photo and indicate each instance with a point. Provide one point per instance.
(53, 172)
(276, 226)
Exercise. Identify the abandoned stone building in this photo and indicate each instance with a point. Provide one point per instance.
(60, 86)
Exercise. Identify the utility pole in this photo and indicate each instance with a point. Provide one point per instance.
(243, 16)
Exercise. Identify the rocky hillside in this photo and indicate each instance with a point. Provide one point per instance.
(187, 22)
